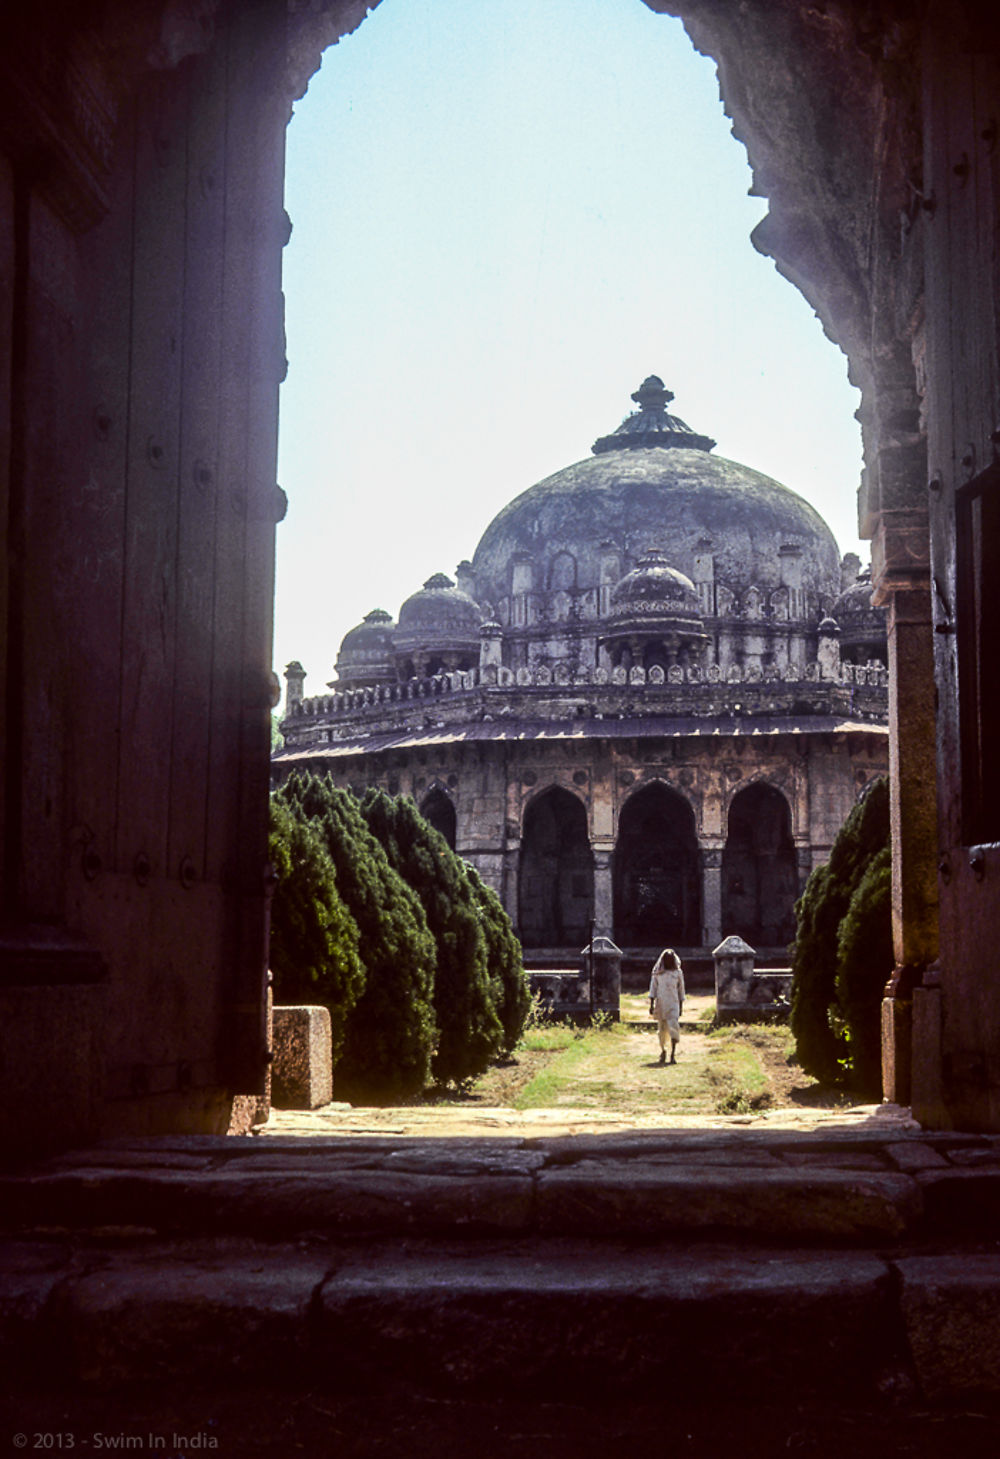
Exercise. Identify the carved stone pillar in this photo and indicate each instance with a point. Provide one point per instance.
(711, 895)
(603, 889)
(913, 782)
(913, 811)
(508, 891)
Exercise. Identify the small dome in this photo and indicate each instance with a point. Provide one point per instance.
(654, 600)
(365, 655)
(654, 583)
(439, 616)
(855, 605)
(862, 626)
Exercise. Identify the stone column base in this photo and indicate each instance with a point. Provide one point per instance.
(897, 1039)
(928, 1086)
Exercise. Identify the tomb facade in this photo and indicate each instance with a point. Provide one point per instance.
(629, 710)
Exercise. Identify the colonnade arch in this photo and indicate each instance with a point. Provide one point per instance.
(759, 876)
(657, 872)
(438, 808)
(555, 873)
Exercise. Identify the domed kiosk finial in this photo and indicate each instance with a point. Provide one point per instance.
(651, 426)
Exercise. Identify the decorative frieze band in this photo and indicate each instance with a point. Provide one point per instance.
(565, 675)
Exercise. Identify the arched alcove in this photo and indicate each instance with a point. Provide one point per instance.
(556, 873)
(438, 808)
(657, 875)
(759, 876)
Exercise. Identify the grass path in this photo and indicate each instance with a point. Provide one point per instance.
(735, 1070)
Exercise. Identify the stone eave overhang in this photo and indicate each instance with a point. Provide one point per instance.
(521, 731)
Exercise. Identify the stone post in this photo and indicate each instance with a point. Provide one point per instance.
(295, 678)
(604, 960)
(464, 579)
(828, 652)
(490, 640)
(733, 976)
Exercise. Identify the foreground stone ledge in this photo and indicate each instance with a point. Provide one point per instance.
(602, 1322)
(963, 1201)
(951, 1312)
(30, 1272)
(801, 1204)
(152, 1317)
(271, 1203)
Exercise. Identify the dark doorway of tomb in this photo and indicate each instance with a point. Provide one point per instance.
(657, 885)
(437, 808)
(759, 880)
(556, 875)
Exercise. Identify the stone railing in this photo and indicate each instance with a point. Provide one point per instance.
(566, 676)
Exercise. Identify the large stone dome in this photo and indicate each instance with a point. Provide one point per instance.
(654, 483)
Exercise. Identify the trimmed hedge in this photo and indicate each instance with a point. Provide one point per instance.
(469, 1031)
(390, 1032)
(842, 953)
(314, 939)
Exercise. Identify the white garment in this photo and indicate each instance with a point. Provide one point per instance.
(666, 990)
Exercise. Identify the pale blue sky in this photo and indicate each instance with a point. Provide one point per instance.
(506, 214)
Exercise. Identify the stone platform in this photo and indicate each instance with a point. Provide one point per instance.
(849, 1259)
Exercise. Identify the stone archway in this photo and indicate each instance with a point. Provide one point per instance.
(657, 887)
(141, 311)
(759, 877)
(556, 873)
(438, 808)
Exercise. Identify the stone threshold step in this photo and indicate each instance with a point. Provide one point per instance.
(775, 1192)
(544, 1317)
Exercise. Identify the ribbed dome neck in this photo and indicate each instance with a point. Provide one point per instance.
(651, 426)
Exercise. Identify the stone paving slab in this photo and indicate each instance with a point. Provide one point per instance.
(645, 1200)
(272, 1203)
(584, 1317)
(606, 1321)
(154, 1316)
(951, 1311)
(873, 1181)
(474, 1119)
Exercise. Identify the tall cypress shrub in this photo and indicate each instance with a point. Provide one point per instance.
(469, 1030)
(864, 964)
(820, 1021)
(314, 939)
(505, 960)
(390, 1033)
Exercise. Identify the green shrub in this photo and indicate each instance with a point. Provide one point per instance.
(864, 963)
(314, 939)
(390, 1032)
(823, 1025)
(469, 1030)
(504, 960)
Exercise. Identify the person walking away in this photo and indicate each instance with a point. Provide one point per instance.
(666, 1001)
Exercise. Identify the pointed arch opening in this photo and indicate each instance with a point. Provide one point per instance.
(439, 809)
(556, 873)
(759, 873)
(657, 872)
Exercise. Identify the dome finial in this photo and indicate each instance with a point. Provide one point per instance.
(652, 394)
(650, 425)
